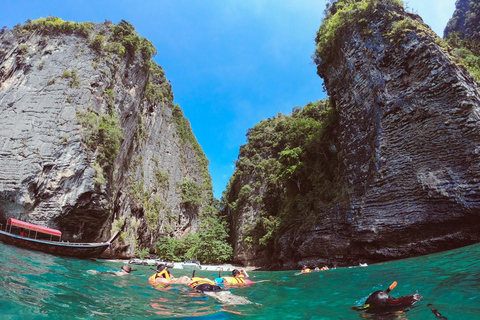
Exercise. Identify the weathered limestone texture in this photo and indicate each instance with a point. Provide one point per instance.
(408, 137)
(408, 143)
(49, 172)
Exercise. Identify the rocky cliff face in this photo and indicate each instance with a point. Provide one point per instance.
(90, 139)
(465, 21)
(408, 136)
(407, 141)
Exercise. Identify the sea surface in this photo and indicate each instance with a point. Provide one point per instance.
(35, 285)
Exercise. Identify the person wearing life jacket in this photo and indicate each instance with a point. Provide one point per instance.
(163, 277)
(306, 269)
(381, 301)
(239, 278)
(211, 289)
(204, 285)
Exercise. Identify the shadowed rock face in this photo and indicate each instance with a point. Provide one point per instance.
(407, 138)
(465, 20)
(49, 173)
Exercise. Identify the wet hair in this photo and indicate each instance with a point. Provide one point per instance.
(235, 272)
(205, 287)
(127, 268)
(378, 299)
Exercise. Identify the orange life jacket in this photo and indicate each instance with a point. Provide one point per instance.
(307, 270)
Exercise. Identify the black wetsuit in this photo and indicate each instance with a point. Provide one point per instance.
(205, 287)
(382, 301)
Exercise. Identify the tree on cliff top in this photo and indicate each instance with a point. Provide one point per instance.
(339, 16)
(465, 21)
(285, 172)
(463, 34)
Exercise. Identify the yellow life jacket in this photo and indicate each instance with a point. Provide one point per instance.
(198, 281)
(162, 274)
(234, 280)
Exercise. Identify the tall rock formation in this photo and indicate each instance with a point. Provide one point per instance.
(465, 20)
(91, 141)
(406, 138)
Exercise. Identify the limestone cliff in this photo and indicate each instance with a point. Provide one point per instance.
(406, 139)
(465, 21)
(91, 141)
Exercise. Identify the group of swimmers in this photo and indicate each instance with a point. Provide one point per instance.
(163, 277)
(379, 301)
(306, 269)
(213, 288)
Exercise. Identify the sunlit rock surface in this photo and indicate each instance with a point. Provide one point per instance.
(50, 175)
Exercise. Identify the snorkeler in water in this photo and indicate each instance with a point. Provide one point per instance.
(163, 277)
(381, 301)
(124, 270)
(306, 269)
(209, 288)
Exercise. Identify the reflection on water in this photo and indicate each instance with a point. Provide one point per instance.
(40, 286)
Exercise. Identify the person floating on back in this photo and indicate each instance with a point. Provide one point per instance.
(124, 270)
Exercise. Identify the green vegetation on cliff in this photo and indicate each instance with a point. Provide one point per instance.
(285, 173)
(187, 137)
(209, 244)
(465, 22)
(342, 15)
(124, 33)
(102, 136)
(54, 25)
(463, 34)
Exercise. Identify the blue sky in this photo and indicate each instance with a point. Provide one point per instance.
(231, 63)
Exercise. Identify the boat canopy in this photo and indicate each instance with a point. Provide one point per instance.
(33, 227)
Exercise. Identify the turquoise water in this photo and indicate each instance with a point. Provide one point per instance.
(40, 286)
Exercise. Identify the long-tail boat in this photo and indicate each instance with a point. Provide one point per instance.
(34, 237)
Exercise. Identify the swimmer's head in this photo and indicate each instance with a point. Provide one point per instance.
(126, 268)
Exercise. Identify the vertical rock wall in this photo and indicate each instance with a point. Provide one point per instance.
(409, 120)
(49, 172)
(407, 140)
